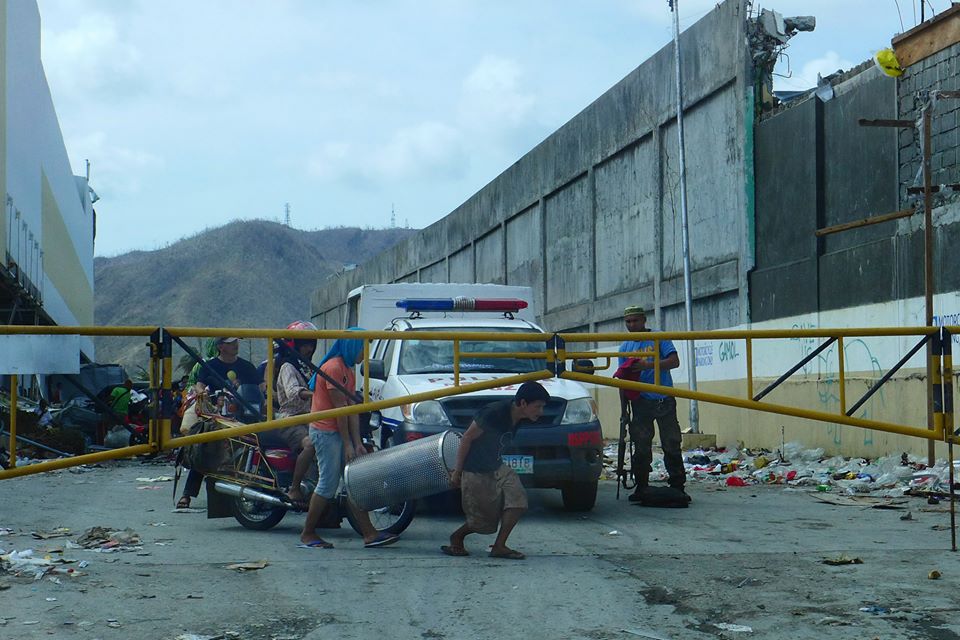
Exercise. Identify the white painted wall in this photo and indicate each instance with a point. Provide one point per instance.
(34, 145)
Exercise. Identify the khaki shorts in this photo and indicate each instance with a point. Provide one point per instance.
(291, 436)
(487, 495)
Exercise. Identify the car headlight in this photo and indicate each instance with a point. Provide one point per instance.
(580, 411)
(426, 412)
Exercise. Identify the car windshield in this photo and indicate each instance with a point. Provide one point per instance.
(436, 356)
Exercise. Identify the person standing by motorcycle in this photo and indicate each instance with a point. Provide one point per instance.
(294, 395)
(337, 441)
(227, 368)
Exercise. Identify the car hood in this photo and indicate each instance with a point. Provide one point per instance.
(557, 387)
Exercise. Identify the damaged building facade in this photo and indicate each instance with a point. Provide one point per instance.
(590, 219)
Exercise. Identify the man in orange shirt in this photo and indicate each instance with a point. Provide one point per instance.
(337, 441)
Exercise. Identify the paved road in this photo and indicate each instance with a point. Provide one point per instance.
(743, 557)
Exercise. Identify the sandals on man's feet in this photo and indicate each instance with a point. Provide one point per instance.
(183, 502)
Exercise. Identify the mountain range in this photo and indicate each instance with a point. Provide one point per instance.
(250, 273)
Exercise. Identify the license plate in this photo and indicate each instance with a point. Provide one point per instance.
(520, 464)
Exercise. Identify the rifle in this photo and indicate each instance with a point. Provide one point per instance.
(624, 478)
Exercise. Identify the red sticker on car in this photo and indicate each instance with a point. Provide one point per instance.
(584, 439)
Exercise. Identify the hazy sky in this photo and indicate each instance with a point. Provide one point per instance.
(197, 113)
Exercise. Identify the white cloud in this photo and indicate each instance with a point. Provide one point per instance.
(423, 150)
(806, 78)
(492, 95)
(90, 57)
(115, 170)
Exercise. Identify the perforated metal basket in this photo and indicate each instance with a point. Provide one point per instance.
(405, 472)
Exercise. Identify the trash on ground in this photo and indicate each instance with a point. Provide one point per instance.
(59, 532)
(27, 564)
(644, 634)
(934, 575)
(156, 479)
(841, 560)
(248, 566)
(737, 628)
(888, 480)
(874, 609)
(106, 540)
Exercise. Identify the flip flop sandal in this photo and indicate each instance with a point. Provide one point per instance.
(381, 540)
(454, 551)
(316, 544)
(509, 555)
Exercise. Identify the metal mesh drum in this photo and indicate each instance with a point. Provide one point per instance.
(405, 472)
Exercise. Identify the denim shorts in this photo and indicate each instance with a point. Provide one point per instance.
(329, 448)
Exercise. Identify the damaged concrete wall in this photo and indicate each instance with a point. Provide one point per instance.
(590, 217)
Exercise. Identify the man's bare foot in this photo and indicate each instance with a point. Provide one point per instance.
(506, 553)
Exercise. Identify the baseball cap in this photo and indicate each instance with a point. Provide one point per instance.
(224, 340)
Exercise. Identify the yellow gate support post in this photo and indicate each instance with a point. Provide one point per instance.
(947, 386)
(13, 421)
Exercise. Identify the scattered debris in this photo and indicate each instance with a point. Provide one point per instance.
(107, 540)
(841, 560)
(888, 479)
(934, 575)
(248, 566)
(644, 634)
(875, 609)
(59, 532)
(156, 479)
(907, 516)
(736, 628)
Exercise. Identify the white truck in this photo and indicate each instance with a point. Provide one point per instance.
(562, 450)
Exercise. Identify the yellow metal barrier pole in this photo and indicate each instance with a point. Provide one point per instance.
(948, 418)
(656, 361)
(749, 367)
(936, 384)
(74, 461)
(239, 430)
(843, 384)
(809, 414)
(165, 423)
(13, 420)
(366, 370)
(456, 363)
(947, 349)
(573, 355)
(270, 376)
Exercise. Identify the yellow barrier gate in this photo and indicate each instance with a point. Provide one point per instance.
(555, 354)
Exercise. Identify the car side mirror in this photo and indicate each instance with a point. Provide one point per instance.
(376, 368)
(584, 366)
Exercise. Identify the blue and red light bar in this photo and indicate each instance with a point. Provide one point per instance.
(459, 303)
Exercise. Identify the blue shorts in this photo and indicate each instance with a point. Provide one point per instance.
(329, 448)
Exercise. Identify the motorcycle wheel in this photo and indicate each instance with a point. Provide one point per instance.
(393, 519)
(256, 516)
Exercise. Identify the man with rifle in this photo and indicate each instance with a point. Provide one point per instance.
(647, 407)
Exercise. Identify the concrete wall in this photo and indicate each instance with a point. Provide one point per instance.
(47, 209)
(590, 217)
(815, 167)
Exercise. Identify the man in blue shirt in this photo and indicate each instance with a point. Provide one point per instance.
(645, 408)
